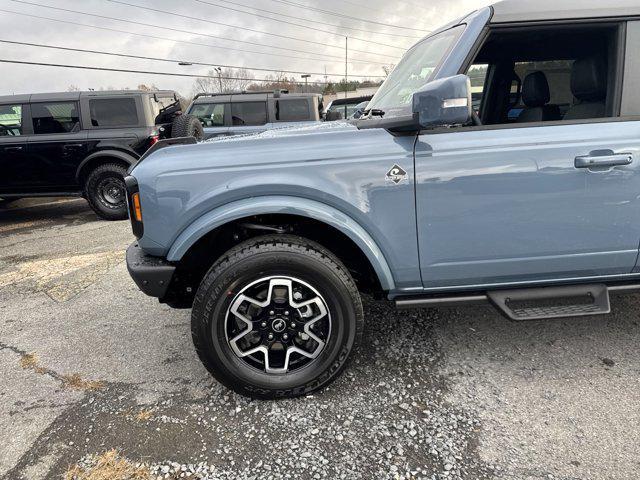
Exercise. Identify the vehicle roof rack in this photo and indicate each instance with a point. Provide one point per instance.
(243, 92)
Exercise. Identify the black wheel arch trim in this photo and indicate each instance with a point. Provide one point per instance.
(128, 158)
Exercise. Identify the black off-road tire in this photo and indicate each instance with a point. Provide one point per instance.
(187, 126)
(273, 256)
(107, 175)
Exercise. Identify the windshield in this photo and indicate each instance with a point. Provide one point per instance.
(414, 70)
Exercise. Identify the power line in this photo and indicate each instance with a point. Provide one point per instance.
(171, 39)
(145, 72)
(368, 7)
(342, 15)
(153, 25)
(317, 22)
(362, 5)
(175, 60)
(416, 4)
(261, 32)
(155, 37)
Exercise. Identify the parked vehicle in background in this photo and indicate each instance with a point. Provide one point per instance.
(530, 203)
(82, 143)
(359, 110)
(343, 108)
(229, 114)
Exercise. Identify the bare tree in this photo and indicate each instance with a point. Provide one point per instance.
(148, 88)
(225, 80)
(277, 81)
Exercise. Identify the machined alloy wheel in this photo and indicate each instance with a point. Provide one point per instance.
(278, 324)
(276, 316)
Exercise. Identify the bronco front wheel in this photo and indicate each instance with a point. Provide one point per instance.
(277, 316)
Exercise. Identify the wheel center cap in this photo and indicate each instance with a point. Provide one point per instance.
(278, 325)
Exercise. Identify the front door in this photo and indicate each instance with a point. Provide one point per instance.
(509, 205)
(13, 149)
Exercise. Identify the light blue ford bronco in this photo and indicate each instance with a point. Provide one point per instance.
(498, 163)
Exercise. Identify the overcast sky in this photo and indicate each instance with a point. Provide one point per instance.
(338, 18)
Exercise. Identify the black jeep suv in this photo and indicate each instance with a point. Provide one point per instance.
(82, 143)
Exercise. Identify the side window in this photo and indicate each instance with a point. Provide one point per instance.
(350, 109)
(58, 117)
(113, 112)
(514, 99)
(558, 75)
(158, 104)
(292, 110)
(547, 73)
(478, 76)
(249, 113)
(338, 108)
(342, 108)
(210, 114)
(10, 120)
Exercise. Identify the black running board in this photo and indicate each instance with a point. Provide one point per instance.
(525, 304)
(552, 302)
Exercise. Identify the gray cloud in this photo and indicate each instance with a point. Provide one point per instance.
(27, 79)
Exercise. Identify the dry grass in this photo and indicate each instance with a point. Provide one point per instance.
(108, 466)
(76, 382)
(144, 415)
(29, 361)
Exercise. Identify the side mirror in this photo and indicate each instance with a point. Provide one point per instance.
(445, 102)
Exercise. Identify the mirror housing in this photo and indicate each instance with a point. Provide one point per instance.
(441, 103)
(444, 103)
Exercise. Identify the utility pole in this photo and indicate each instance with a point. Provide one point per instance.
(346, 64)
(306, 82)
(219, 70)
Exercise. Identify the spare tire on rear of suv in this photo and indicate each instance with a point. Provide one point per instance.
(187, 126)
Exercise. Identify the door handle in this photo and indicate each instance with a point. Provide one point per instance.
(73, 146)
(12, 149)
(595, 161)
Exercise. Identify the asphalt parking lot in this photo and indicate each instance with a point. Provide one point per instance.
(89, 364)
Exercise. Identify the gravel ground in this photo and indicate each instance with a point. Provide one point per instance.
(90, 364)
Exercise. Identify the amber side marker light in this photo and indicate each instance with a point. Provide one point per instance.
(137, 209)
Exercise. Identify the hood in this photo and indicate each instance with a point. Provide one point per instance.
(286, 130)
(322, 141)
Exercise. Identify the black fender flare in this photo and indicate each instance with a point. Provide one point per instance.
(128, 158)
